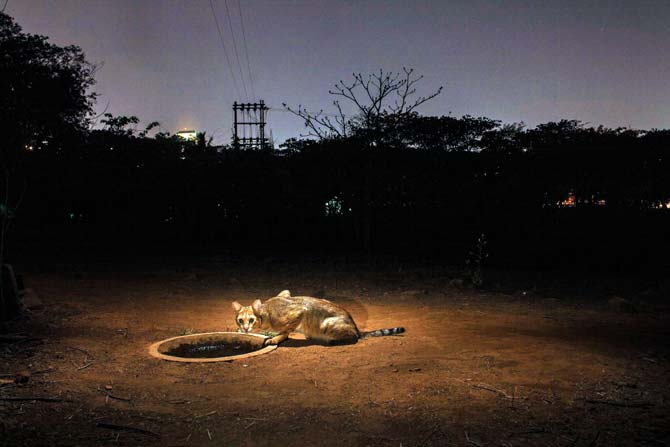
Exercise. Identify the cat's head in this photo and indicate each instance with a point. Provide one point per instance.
(247, 317)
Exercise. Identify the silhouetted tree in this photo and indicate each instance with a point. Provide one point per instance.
(377, 99)
(44, 102)
(506, 139)
(431, 133)
(372, 97)
(44, 89)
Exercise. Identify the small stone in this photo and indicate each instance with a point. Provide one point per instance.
(22, 377)
(31, 300)
(411, 292)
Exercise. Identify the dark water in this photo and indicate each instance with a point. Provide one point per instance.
(212, 349)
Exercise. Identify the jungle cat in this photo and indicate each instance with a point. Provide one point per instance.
(317, 319)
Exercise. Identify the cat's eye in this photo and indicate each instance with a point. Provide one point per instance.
(239, 320)
(251, 320)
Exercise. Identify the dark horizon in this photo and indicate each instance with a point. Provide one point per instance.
(598, 62)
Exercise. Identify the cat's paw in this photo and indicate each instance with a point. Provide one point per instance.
(275, 340)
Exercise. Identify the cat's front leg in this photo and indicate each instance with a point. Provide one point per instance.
(275, 340)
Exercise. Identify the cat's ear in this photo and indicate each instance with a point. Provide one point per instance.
(237, 306)
(284, 294)
(256, 306)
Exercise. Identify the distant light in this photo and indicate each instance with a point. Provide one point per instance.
(189, 135)
(335, 207)
(569, 202)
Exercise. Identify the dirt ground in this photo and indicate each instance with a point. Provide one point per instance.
(475, 368)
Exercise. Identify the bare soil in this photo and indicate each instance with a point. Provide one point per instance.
(473, 369)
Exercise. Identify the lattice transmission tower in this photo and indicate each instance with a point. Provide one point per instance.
(249, 125)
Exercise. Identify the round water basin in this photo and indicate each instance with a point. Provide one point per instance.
(210, 347)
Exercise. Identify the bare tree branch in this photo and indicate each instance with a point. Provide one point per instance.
(319, 124)
(369, 96)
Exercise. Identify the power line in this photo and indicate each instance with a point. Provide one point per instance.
(274, 109)
(225, 52)
(237, 56)
(246, 50)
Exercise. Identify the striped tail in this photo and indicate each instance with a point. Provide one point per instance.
(383, 332)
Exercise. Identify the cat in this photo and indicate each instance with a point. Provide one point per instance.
(316, 318)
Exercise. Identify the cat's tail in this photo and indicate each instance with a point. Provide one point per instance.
(383, 332)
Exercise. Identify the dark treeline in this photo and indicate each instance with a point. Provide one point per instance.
(556, 195)
(385, 181)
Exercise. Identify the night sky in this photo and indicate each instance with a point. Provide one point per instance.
(603, 62)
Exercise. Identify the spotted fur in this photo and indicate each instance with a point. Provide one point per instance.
(316, 318)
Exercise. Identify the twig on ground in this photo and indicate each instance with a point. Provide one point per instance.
(27, 340)
(470, 441)
(198, 416)
(67, 418)
(531, 431)
(595, 439)
(617, 403)
(430, 435)
(85, 366)
(148, 418)
(13, 338)
(128, 428)
(14, 341)
(32, 373)
(83, 351)
(35, 398)
(483, 386)
(209, 435)
(125, 399)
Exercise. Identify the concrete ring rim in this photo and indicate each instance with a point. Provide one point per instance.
(153, 350)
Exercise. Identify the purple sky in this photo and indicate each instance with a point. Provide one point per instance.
(600, 61)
